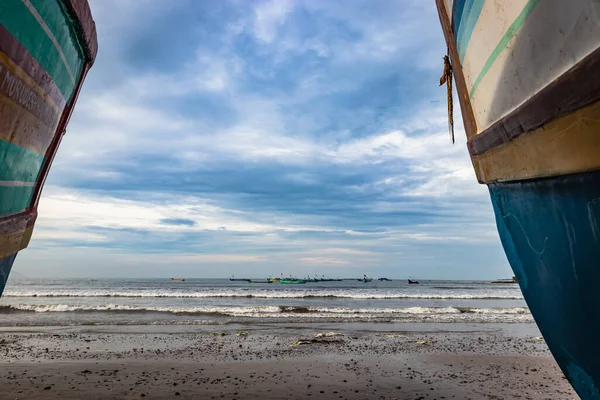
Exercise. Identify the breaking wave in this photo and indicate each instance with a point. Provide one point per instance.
(264, 311)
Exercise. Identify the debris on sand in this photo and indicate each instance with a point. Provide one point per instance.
(300, 343)
(318, 339)
(424, 342)
(220, 333)
(393, 335)
(328, 334)
(241, 334)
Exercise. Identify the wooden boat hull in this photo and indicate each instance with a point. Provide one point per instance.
(527, 75)
(46, 49)
(549, 229)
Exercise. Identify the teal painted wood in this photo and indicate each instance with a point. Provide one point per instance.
(14, 199)
(458, 8)
(22, 24)
(550, 231)
(19, 164)
(464, 18)
(61, 27)
(19, 170)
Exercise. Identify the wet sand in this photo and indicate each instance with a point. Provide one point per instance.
(420, 361)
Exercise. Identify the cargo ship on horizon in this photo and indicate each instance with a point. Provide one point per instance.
(46, 49)
(527, 74)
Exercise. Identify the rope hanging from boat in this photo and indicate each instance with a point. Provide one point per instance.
(447, 78)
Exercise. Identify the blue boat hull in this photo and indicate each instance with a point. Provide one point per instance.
(550, 230)
(5, 266)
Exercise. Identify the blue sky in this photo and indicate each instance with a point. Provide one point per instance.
(257, 137)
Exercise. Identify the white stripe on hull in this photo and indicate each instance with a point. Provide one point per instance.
(16, 183)
(50, 35)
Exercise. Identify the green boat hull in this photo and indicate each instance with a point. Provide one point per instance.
(46, 49)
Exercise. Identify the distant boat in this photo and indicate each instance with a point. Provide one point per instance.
(365, 279)
(411, 282)
(384, 279)
(513, 280)
(323, 279)
(293, 281)
(239, 279)
(273, 280)
(177, 280)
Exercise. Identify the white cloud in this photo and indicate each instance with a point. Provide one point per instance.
(117, 124)
(49, 232)
(268, 17)
(62, 212)
(324, 261)
(194, 258)
(338, 250)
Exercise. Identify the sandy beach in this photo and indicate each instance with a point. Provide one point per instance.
(291, 361)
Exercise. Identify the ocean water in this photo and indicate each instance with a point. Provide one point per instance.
(37, 302)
